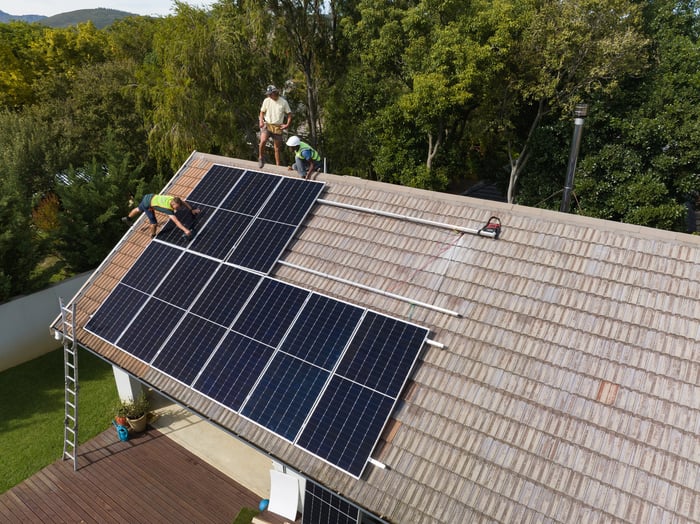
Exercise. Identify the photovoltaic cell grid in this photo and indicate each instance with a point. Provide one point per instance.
(320, 505)
(247, 218)
(321, 373)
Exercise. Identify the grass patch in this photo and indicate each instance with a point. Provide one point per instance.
(32, 411)
(245, 516)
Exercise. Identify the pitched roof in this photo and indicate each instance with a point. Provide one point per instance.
(567, 388)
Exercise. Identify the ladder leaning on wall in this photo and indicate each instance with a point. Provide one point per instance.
(70, 368)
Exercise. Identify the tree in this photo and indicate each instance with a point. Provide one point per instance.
(93, 199)
(557, 53)
(20, 248)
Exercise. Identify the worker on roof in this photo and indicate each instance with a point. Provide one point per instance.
(166, 204)
(273, 113)
(306, 158)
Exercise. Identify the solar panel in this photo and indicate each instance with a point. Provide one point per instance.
(116, 312)
(222, 231)
(291, 201)
(234, 369)
(262, 245)
(150, 326)
(185, 281)
(270, 311)
(250, 193)
(320, 373)
(322, 331)
(224, 296)
(146, 273)
(189, 348)
(346, 424)
(321, 505)
(283, 398)
(215, 185)
(172, 234)
(372, 358)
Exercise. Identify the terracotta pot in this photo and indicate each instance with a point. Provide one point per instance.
(120, 420)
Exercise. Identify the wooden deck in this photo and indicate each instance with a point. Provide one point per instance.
(149, 478)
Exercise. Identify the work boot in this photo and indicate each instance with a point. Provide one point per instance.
(126, 221)
(261, 162)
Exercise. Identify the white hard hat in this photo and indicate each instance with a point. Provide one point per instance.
(293, 141)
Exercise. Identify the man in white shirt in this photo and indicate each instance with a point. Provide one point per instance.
(273, 113)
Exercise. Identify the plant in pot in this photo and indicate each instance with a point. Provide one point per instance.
(120, 412)
(137, 412)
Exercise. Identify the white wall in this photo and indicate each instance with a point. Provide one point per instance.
(24, 322)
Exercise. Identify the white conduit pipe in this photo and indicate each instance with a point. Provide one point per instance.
(372, 289)
(408, 218)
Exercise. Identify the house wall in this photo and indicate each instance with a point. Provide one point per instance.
(24, 322)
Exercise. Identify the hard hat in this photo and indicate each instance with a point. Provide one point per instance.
(271, 89)
(293, 141)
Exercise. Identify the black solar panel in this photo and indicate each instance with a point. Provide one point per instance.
(224, 296)
(147, 272)
(282, 207)
(372, 358)
(221, 233)
(149, 329)
(172, 234)
(236, 366)
(215, 185)
(322, 506)
(346, 424)
(262, 245)
(116, 313)
(251, 192)
(189, 348)
(186, 280)
(270, 311)
(322, 331)
(320, 373)
(285, 395)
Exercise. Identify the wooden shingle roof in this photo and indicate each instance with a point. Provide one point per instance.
(567, 388)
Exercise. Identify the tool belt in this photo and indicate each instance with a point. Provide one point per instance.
(275, 129)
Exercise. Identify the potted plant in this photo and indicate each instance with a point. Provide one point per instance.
(120, 411)
(136, 412)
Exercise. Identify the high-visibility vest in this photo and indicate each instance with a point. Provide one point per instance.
(314, 154)
(162, 203)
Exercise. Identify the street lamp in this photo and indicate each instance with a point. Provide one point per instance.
(580, 112)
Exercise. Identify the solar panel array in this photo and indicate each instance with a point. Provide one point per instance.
(320, 373)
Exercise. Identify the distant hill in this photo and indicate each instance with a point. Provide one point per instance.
(100, 17)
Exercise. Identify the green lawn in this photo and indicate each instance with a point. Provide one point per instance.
(31, 411)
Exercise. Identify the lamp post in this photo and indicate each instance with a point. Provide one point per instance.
(580, 112)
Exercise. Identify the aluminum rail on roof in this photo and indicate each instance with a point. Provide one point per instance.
(480, 232)
(372, 289)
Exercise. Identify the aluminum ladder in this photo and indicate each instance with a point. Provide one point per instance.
(70, 368)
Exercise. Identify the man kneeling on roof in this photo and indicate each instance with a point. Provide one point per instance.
(306, 158)
(165, 204)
